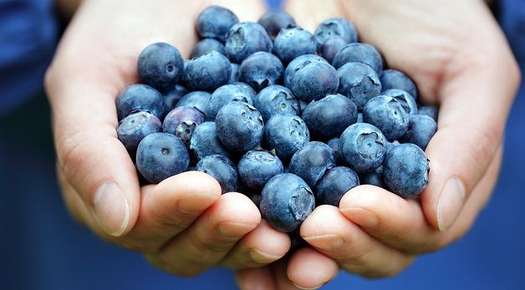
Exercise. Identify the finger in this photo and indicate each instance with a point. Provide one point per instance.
(315, 12)
(211, 237)
(170, 207)
(91, 158)
(258, 248)
(350, 246)
(472, 118)
(280, 275)
(256, 279)
(401, 223)
(397, 222)
(309, 269)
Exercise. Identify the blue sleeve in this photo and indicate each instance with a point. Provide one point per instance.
(28, 36)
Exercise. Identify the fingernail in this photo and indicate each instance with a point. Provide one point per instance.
(450, 203)
(261, 257)
(361, 216)
(111, 209)
(328, 242)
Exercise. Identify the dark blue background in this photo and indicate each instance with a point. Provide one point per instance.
(42, 248)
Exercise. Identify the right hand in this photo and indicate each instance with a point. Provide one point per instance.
(184, 225)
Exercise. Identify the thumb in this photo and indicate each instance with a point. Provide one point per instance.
(474, 108)
(91, 158)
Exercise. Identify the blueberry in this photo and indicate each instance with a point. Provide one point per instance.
(161, 155)
(408, 101)
(182, 121)
(215, 22)
(198, 100)
(310, 78)
(275, 100)
(246, 38)
(172, 97)
(405, 170)
(204, 141)
(331, 47)
(160, 65)
(363, 147)
(293, 42)
(431, 111)
(286, 201)
(330, 116)
(135, 127)
(140, 98)
(334, 184)
(390, 145)
(274, 21)
(239, 126)
(358, 82)
(286, 134)
(336, 27)
(394, 79)
(256, 167)
(420, 130)
(312, 161)
(260, 70)
(300, 62)
(227, 94)
(387, 114)
(373, 178)
(208, 72)
(234, 76)
(334, 144)
(220, 168)
(205, 46)
(359, 52)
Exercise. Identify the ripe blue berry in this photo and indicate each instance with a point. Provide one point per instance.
(330, 116)
(334, 184)
(285, 134)
(256, 167)
(135, 127)
(405, 171)
(286, 201)
(239, 126)
(161, 155)
(140, 98)
(246, 38)
(215, 22)
(363, 147)
(182, 121)
(312, 161)
(275, 100)
(160, 65)
(260, 70)
(226, 94)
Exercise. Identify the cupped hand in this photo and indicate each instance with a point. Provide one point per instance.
(460, 60)
(184, 224)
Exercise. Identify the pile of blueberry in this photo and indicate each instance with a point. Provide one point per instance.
(290, 118)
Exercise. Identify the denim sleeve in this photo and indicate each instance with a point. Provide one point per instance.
(28, 36)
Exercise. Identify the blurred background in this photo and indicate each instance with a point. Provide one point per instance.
(41, 247)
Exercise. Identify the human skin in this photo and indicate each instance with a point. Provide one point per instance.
(373, 233)
(460, 61)
(183, 224)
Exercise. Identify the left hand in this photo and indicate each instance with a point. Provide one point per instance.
(472, 74)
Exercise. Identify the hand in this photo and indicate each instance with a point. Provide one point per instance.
(460, 61)
(184, 224)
